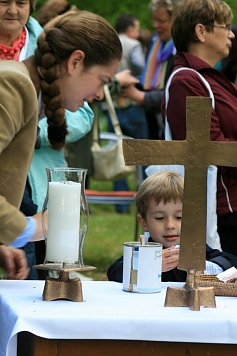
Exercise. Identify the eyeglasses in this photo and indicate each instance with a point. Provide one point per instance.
(226, 27)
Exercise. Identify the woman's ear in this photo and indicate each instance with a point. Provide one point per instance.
(142, 222)
(200, 32)
(75, 61)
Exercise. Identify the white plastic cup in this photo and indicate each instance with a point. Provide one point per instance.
(142, 267)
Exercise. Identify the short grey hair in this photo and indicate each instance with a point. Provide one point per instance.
(169, 5)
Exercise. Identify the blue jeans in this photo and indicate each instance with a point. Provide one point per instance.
(132, 121)
(29, 249)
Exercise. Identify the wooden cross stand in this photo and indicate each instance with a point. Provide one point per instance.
(196, 153)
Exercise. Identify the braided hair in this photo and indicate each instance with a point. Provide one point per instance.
(66, 33)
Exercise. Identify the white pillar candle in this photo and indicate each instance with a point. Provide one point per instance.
(63, 222)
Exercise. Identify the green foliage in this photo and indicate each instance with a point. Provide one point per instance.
(233, 5)
(110, 9)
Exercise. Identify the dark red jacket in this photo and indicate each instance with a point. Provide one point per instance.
(223, 122)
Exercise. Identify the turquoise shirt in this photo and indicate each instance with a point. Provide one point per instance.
(79, 123)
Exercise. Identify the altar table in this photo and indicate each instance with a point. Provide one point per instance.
(111, 322)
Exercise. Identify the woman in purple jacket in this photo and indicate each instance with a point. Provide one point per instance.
(202, 35)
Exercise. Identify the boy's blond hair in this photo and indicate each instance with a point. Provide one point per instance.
(162, 186)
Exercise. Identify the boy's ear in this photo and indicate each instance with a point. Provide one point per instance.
(142, 222)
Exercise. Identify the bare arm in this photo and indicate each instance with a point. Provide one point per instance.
(125, 78)
(133, 93)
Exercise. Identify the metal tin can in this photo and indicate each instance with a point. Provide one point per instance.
(142, 267)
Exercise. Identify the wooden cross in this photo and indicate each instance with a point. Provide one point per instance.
(196, 153)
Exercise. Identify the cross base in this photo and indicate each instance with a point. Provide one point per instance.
(63, 287)
(190, 295)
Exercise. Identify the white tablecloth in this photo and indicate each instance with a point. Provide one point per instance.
(110, 313)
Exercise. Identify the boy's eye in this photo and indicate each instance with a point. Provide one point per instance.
(160, 218)
(179, 217)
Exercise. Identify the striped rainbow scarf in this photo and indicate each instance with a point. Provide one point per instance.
(153, 76)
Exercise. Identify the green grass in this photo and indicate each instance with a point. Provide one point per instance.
(107, 232)
(2, 274)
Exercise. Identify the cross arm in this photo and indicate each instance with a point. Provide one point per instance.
(223, 153)
(147, 152)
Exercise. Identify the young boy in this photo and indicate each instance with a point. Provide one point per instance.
(159, 207)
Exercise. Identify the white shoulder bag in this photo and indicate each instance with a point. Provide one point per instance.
(108, 159)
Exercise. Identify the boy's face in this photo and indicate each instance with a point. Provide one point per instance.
(163, 222)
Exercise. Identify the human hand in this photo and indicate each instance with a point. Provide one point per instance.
(134, 94)
(14, 262)
(170, 258)
(125, 78)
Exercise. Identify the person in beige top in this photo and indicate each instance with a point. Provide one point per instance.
(71, 64)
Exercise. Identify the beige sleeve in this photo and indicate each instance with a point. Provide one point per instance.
(18, 123)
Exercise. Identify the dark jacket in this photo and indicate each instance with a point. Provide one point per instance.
(223, 259)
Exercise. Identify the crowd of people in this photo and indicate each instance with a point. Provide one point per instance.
(55, 72)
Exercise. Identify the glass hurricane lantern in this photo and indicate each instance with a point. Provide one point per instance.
(65, 223)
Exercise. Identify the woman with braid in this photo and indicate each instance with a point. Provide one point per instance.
(77, 54)
(18, 40)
